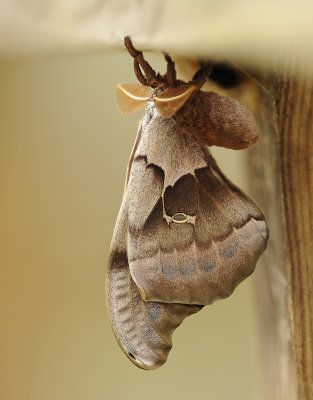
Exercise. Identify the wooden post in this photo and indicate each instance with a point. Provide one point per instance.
(282, 172)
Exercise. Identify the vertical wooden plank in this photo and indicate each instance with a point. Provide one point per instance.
(295, 122)
(282, 167)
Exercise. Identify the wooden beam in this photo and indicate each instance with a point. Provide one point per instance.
(282, 179)
(249, 32)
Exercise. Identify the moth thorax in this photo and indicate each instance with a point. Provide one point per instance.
(179, 218)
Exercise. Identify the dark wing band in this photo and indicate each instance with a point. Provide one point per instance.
(199, 261)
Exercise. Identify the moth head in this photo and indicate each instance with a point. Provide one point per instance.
(217, 120)
(131, 97)
(168, 93)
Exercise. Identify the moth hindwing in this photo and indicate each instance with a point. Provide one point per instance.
(185, 235)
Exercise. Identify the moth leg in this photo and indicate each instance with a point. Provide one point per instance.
(139, 74)
(151, 78)
(138, 56)
(171, 72)
(202, 74)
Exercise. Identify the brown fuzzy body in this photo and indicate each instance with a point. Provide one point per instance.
(219, 120)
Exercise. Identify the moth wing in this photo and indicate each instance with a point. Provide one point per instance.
(131, 97)
(205, 258)
(172, 99)
(143, 329)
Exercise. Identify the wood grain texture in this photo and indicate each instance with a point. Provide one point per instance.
(283, 185)
(295, 122)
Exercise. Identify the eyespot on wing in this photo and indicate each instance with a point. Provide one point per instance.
(179, 218)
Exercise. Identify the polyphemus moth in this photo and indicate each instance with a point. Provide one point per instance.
(185, 235)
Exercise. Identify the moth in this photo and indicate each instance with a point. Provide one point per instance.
(185, 235)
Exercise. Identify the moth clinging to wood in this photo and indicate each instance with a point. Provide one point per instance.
(185, 235)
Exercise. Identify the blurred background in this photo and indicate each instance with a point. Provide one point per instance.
(64, 148)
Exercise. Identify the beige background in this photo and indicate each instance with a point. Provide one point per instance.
(63, 154)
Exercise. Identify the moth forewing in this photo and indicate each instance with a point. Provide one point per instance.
(142, 329)
(203, 256)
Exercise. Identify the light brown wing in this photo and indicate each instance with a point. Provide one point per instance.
(172, 99)
(131, 97)
(143, 329)
(206, 257)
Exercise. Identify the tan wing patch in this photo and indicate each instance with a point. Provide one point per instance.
(172, 99)
(131, 97)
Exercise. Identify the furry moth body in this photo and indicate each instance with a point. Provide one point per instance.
(185, 235)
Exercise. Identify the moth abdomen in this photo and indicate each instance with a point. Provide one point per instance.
(219, 120)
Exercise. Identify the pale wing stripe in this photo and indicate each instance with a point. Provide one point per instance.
(177, 97)
(121, 87)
